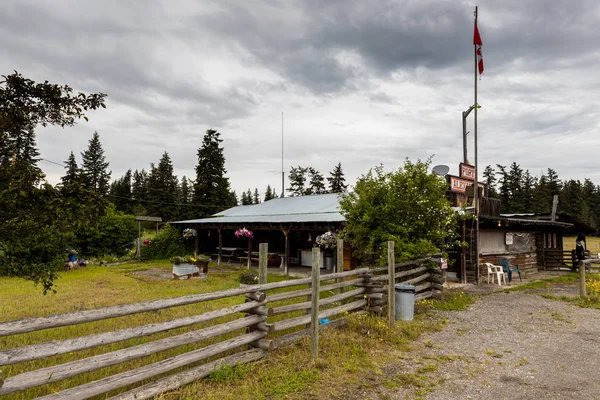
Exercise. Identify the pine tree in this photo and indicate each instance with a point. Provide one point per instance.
(162, 189)
(297, 180)
(121, 193)
(139, 187)
(18, 159)
(489, 176)
(337, 180)
(256, 197)
(211, 192)
(515, 186)
(269, 194)
(73, 171)
(249, 198)
(317, 182)
(529, 186)
(94, 168)
(503, 188)
(244, 199)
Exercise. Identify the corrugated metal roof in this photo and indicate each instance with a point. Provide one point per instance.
(314, 208)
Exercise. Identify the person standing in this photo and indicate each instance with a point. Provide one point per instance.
(579, 248)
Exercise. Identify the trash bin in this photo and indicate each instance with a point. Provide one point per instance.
(405, 301)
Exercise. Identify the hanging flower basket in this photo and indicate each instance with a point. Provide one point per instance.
(240, 233)
(189, 232)
(327, 241)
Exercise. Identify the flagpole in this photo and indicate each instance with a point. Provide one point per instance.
(476, 183)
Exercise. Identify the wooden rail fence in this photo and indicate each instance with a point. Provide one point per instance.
(268, 316)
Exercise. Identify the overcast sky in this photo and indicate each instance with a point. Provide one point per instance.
(358, 82)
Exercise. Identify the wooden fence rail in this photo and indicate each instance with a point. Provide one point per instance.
(266, 318)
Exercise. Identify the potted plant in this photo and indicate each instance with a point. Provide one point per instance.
(201, 261)
(184, 267)
(240, 233)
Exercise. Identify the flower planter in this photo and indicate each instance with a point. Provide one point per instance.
(185, 271)
(202, 266)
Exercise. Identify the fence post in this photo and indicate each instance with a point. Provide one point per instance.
(314, 307)
(339, 261)
(582, 288)
(391, 283)
(263, 252)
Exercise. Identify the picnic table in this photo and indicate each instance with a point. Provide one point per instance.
(228, 254)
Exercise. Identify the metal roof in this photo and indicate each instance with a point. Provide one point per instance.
(314, 208)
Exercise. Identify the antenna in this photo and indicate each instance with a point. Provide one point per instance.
(441, 170)
(282, 173)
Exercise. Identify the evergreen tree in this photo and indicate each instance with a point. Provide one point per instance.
(548, 186)
(269, 194)
(515, 186)
(73, 172)
(571, 198)
(249, 199)
(337, 180)
(503, 188)
(94, 168)
(211, 192)
(256, 197)
(121, 193)
(317, 182)
(529, 186)
(588, 214)
(297, 180)
(244, 199)
(234, 198)
(489, 178)
(162, 189)
(139, 188)
(184, 199)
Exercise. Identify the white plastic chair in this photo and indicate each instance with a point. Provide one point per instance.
(495, 271)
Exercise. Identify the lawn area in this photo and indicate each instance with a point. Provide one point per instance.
(346, 354)
(592, 243)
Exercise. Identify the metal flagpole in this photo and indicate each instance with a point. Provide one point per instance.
(282, 173)
(476, 183)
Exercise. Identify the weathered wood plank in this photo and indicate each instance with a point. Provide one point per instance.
(424, 286)
(305, 292)
(305, 319)
(62, 371)
(424, 295)
(179, 379)
(116, 381)
(306, 304)
(417, 279)
(55, 347)
(314, 307)
(400, 274)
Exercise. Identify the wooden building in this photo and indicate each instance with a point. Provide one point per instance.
(290, 225)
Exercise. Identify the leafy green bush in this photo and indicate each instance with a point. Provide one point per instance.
(112, 234)
(248, 278)
(168, 243)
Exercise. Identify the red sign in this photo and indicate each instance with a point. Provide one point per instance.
(460, 185)
(467, 171)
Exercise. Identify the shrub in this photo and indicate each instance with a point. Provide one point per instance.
(112, 234)
(168, 243)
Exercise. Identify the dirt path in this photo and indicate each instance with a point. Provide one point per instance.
(507, 346)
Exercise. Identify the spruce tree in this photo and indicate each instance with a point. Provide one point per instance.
(244, 199)
(297, 180)
(211, 192)
(336, 179)
(489, 178)
(162, 189)
(121, 193)
(139, 187)
(269, 193)
(256, 196)
(73, 172)
(317, 182)
(94, 168)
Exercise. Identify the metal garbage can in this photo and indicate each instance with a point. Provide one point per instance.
(405, 301)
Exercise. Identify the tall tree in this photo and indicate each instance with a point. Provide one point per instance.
(212, 192)
(163, 189)
(529, 186)
(139, 187)
(73, 172)
(297, 180)
(269, 194)
(256, 196)
(96, 176)
(489, 178)
(336, 180)
(317, 182)
(33, 234)
(121, 193)
(184, 199)
(244, 200)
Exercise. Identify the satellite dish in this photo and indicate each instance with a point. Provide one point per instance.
(441, 170)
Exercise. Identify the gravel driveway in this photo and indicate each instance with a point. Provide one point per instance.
(513, 345)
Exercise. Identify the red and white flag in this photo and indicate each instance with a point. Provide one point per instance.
(477, 42)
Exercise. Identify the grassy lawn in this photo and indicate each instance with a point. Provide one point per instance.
(346, 354)
(592, 243)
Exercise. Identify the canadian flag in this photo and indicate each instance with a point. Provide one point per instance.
(477, 42)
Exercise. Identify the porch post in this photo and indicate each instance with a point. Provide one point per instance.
(249, 253)
(286, 233)
(220, 256)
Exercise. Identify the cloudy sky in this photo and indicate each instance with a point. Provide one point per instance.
(358, 82)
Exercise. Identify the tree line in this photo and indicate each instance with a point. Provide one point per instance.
(521, 192)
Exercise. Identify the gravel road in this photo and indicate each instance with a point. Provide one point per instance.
(513, 345)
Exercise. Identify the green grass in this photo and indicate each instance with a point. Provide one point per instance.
(592, 243)
(346, 354)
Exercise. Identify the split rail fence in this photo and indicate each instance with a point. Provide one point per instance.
(264, 317)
